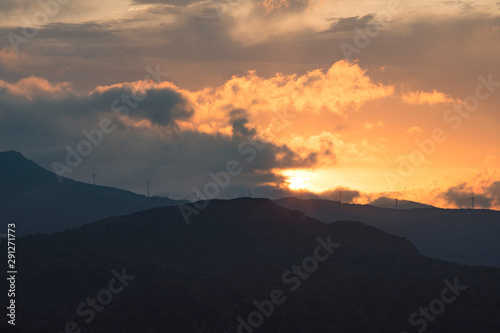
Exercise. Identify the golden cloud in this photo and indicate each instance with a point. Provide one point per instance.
(343, 88)
(420, 97)
(271, 5)
(414, 130)
(34, 86)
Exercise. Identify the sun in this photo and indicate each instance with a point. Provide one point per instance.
(296, 180)
(313, 181)
(296, 183)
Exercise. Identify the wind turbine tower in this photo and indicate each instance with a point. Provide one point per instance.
(147, 182)
(473, 200)
(340, 195)
(397, 206)
(93, 175)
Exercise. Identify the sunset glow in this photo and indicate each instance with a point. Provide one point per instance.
(297, 180)
(332, 108)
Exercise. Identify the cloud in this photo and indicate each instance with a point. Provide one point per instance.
(240, 122)
(9, 58)
(146, 141)
(420, 97)
(291, 5)
(160, 104)
(243, 107)
(350, 23)
(414, 130)
(34, 86)
(36, 114)
(461, 195)
(494, 191)
(7, 6)
(324, 145)
(342, 89)
(369, 126)
(348, 195)
(21, 13)
(198, 42)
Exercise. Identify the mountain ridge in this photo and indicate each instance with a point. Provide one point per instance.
(205, 275)
(385, 202)
(458, 235)
(55, 205)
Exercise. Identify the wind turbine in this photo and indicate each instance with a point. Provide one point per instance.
(397, 206)
(473, 200)
(147, 182)
(340, 195)
(93, 175)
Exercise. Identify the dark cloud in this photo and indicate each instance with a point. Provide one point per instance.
(160, 106)
(239, 121)
(350, 23)
(175, 161)
(52, 123)
(278, 7)
(461, 195)
(494, 191)
(348, 195)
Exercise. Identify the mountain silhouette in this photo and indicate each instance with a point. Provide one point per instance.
(384, 202)
(39, 203)
(458, 235)
(215, 273)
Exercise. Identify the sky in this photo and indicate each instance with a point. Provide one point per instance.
(262, 98)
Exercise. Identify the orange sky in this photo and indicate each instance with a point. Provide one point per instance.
(407, 112)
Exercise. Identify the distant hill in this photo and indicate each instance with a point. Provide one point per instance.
(39, 203)
(458, 235)
(201, 277)
(384, 202)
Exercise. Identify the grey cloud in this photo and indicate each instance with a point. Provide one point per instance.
(293, 6)
(348, 195)
(274, 192)
(461, 194)
(348, 24)
(240, 121)
(175, 161)
(53, 122)
(494, 191)
(160, 106)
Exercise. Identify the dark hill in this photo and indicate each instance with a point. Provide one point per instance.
(459, 235)
(384, 202)
(39, 203)
(201, 277)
